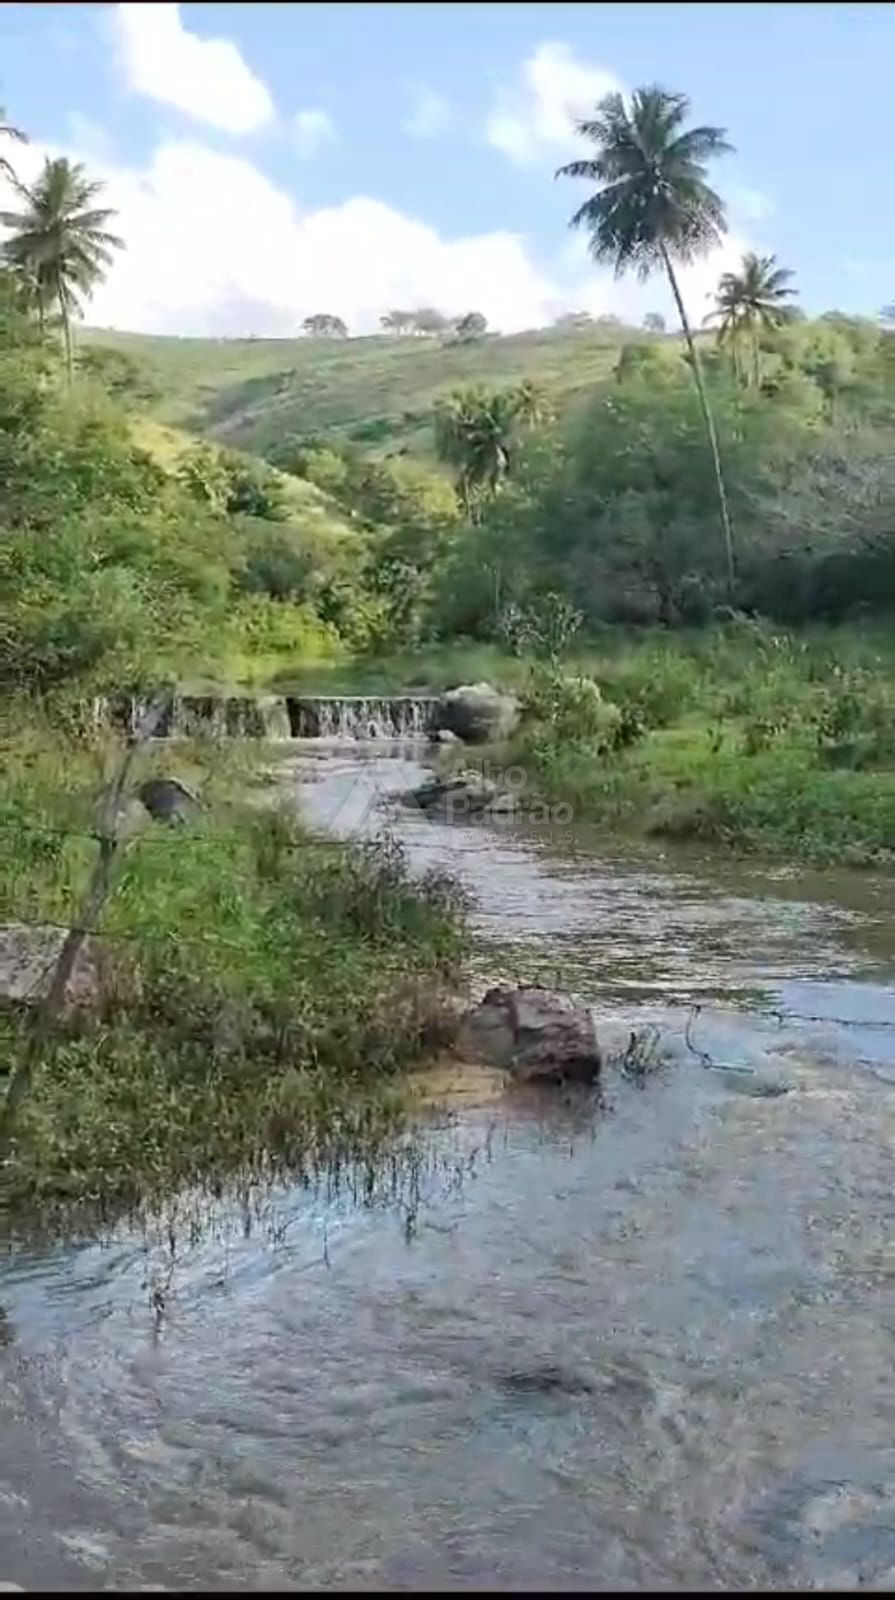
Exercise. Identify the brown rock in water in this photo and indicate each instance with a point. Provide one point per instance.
(538, 1035)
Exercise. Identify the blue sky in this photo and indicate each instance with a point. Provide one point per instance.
(272, 160)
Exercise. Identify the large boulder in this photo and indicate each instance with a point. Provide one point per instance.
(169, 800)
(28, 957)
(477, 713)
(535, 1034)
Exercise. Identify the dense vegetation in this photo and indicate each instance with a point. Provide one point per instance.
(255, 990)
(680, 550)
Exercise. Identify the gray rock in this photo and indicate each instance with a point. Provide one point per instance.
(477, 713)
(28, 957)
(461, 795)
(169, 800)
(535, 1034)
(445, 736)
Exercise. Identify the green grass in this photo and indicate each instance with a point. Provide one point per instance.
(756, 741)
(261, 992)
(254, 393)
(678, 785)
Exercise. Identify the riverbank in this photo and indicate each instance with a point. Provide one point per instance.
(765, 743)
(254, 991)
(632, 1317)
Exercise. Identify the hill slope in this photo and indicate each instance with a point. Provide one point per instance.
(252, 393)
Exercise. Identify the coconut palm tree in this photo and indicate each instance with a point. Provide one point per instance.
(27, 289)
(653, 207)
(751, 302)
(7, 131)
(728, 317)
(62, 238)
(472, 433)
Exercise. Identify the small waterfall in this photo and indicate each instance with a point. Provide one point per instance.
(363, 716)
(276, 717)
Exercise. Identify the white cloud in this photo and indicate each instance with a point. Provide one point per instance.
(313, 128)
(537, 116)
(599, 292)
(430, 116)
(206, 78)
(216, 248)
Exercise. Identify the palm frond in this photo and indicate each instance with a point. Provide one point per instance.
(651, 191)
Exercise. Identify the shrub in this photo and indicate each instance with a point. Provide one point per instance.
(571, 707)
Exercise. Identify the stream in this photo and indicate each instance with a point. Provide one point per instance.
(648, 1344)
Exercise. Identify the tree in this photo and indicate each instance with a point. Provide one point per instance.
(751, 302)
(429, 321)
(654, 322)
(653, 208)
(642, 358)
(7, 131)
(471, 326)
(62, 239)
(324, 326)
(399, 322)
(533, 405)
(473, 429)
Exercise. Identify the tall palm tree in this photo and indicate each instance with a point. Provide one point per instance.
(653, 207)
(751, 302)
(62, 237)
(7, 131)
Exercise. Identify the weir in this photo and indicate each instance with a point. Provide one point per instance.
(279, 717)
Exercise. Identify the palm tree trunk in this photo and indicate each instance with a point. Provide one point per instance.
(463, 486)
(756, 366)
(709, 420)
(66, 336)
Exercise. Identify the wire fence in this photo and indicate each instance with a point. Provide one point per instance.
(173, 839)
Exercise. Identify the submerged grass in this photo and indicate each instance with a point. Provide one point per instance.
(258, 991)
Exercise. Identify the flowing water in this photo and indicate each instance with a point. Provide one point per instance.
(645, 1345)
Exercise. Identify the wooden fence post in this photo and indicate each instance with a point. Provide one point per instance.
(109, 840)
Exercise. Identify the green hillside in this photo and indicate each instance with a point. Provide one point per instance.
(251, 393)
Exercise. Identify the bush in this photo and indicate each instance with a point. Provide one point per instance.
(572, 708)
